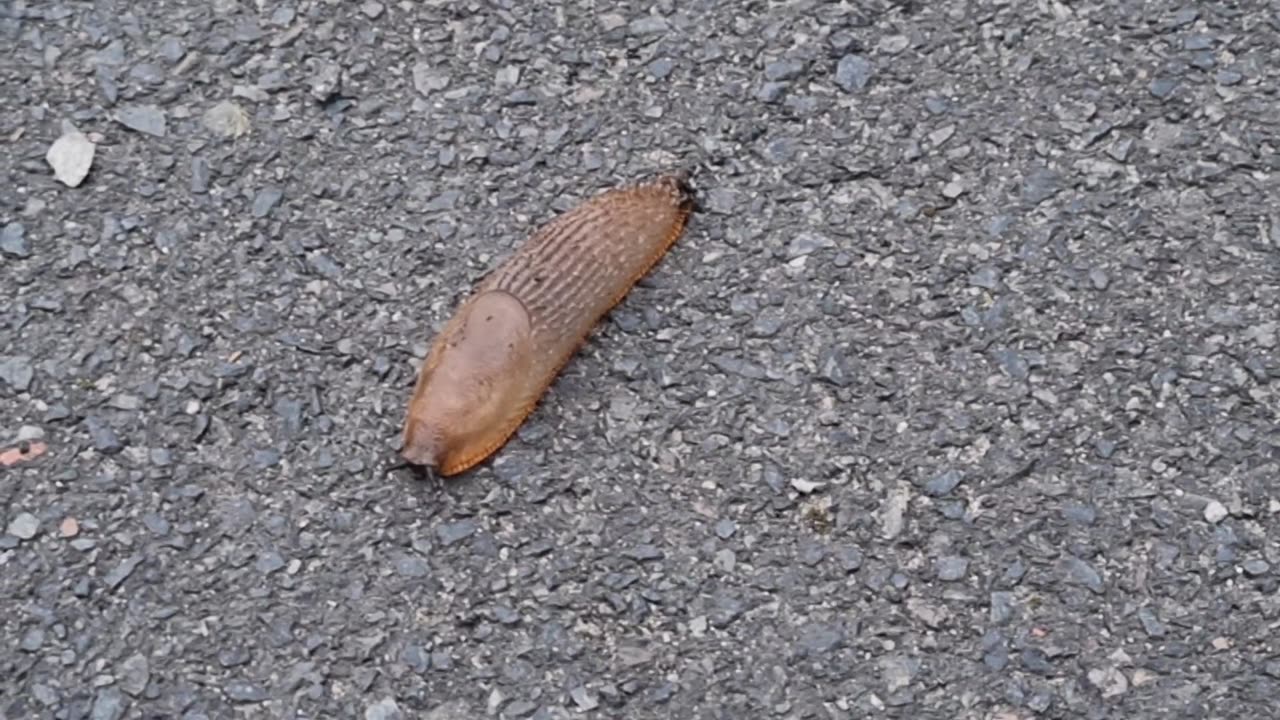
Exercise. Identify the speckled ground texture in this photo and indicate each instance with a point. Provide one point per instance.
(957, 400)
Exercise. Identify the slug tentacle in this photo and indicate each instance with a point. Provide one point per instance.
(505, 344)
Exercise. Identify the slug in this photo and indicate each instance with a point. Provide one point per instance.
(505, 344)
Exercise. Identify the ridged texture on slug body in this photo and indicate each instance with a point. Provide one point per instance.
(507, 342)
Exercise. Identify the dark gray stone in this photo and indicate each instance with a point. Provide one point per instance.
(32, 640)
(820, 639)
(244, 691)
(643, 553)
(1163, 86)
(135, 674)
(1002, 606)
(783, 70)
(850, 558)
(108, 704)
(266, 200)
(771, 92)
(834, 368)
(453, 533)
(411, 566)
(648, 25)
(807, 243)
(661, 68)
(146, 119)
(986, 277)
(944, 483)
(17, 371)
(1079, 572)
(1035, 660)
(199, 175)
(1040, 184)
(121, 572)
(103, 436)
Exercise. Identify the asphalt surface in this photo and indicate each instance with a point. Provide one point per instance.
(957, 400)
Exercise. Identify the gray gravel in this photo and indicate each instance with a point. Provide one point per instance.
(958, 399)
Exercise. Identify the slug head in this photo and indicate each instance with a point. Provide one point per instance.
(469, 397)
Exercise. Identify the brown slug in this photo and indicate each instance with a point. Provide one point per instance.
(505, 344)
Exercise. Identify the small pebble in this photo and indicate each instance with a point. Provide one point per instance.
(17, 371)
(985, 277)
(1151, 623)
(892, 513)
(13, 240)
(386, 708)
(199, 175)
(104, 438)
(121, 572)
(243, 691)
(659, 69)
(453, 533)
(1001, 606)
(172, 49)
(1162, 87)
(1119, 150)
(24, 526)
(108, 705)
(1035, 660)
(951, 568)
(1256, 567)
(71, 156)
(853, 72)
(427, 79)
(954, 189)
(32, 640)
(783, 70)
(584, 699)
(1110, 681)
(819, 639)
(1215, 512)
(943, 484)
(27, 433)
(850, 558)
(771, 92)
(1079, 572)
(834, 367)
(1228, 77)
(135, 673)
(806, 243)
(268, 562)
(642, 553)
(266, 199)
(805, 487)
(226, 119)
(1040, 184)
(1080, 514)
(147, 119)
(648, 25)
